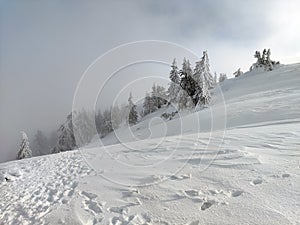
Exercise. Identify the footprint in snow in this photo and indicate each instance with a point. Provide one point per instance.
(207, 204)
(257, 181)
(236, 193)
(90, 203)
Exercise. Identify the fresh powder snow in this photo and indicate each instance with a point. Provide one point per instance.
(234, 162)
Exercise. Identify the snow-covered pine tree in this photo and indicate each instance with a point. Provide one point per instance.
(182, 99)
(107, 123)
(161, 96)
(132, 113)
(204, 95)
(269, 62)
(99, 120)
(154, 100)
(24, 151)
(147, 105)
(222, 77)
(264, 57)
(174, 87)
(238, 73)
(66, 140)
(40, 144)
(187, 82)
(257, 55)
(204, 69)
(264, 61)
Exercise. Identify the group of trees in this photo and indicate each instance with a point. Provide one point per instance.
(264, 60)
(114, 117)
(41, 145)
(80, 127)
(190, 88)
(155, 100)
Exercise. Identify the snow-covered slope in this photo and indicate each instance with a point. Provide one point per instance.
(254, 98)
(182, 174)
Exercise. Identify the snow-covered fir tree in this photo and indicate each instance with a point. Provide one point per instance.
(99, 120)
(24, 150)
(66, 140)
(203, 67)
(204, 81)
(161, 95)
(132, 113)
(174, 87)
(40, 144)
(222, 77)
(269, 63)
(158, 97)
(107, 127)
(204, 94)
(238, 73)
(187, 82)
(264, 61)
(182, 99)
(147, 105)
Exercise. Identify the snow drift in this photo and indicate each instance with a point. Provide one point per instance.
(176, 171)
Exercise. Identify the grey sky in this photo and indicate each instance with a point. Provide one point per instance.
(45, 46)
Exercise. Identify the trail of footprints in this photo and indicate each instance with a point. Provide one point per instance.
(208, 198)
(35, 196)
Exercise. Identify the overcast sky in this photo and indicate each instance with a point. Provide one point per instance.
(45, 46)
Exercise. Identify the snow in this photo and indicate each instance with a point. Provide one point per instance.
(176, 171)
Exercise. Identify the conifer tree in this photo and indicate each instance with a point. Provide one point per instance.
(66, 140)
(222, 77)
(107, 127)
(204, 94)
(99, 120)
(187, 82)
(238, 73)
(174, 87)
(147, 109)
(203, 67)
(132, 115)
(24, 150)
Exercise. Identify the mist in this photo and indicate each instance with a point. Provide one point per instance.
(46, 46)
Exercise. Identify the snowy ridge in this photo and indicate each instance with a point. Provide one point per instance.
(249, 177)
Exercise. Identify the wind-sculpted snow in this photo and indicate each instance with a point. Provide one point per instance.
(253, 177)
(172, 172)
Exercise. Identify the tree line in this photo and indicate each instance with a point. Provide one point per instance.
(189, 88)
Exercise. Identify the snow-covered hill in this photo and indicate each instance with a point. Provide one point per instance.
(184, 171)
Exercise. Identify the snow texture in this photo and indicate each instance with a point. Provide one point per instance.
(251, 178)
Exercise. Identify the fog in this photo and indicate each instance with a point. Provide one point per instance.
(46, 46)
